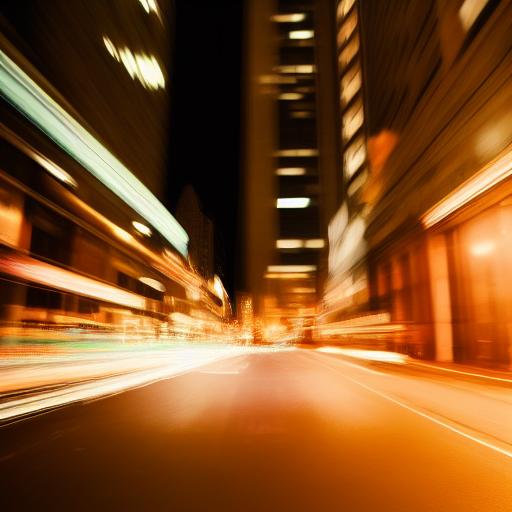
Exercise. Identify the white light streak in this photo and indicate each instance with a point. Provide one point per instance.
(22, 92)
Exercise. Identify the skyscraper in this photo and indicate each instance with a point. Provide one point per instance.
(289, 146)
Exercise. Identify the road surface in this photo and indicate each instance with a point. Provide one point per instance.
(285, 431)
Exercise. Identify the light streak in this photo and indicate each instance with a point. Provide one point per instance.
(24, 94)
(491, 175)
(142, 228)
(152, 283)
(144, 68)
(49, 275)
(380, 356)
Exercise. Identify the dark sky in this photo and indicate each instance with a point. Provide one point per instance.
(205, 116)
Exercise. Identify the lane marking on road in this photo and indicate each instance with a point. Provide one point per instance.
(358, 366)
(471, 437)
(490, 377)
(220, 372)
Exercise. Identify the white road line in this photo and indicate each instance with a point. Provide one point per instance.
(475, 439)
(221, 372)
(500, 379)
(359, 367)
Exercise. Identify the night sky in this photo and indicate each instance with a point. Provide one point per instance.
(204, 138)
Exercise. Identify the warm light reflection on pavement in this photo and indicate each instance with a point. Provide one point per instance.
(67, 372)
(266, 430)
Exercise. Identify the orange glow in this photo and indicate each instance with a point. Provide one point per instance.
(49, 275)
(491, 175)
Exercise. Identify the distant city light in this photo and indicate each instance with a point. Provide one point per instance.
(293, 202)
(25, 95)
(289, 18)
(142, 228)
(152, 283)
(144, 68)
(291, 171)
(291, 268)
(291, 96)
(301, 34)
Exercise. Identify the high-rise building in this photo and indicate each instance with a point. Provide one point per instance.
(201, 250)
(421, 234)
(86, 240)
(290, 145)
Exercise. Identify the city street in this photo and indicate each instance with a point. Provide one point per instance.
(279, 431)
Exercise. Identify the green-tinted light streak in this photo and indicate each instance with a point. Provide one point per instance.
(24, 94)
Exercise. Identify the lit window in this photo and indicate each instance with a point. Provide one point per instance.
(301, 34)
(288, 18)
(343, 7)
(289, 244)
(347, 29)
(352, 120)
(287, 275)
(469, 12)
(141, 228)
(293, 202)
(298, 69)
(296, 152)
(144, 68)
(55, 170)
(301, 289)
(152, 283)
(301, 114)
(291, 268)
(350, 84)
(291, 171)
(150, 6)
(291, 96)
(314, 243)
(354, 157)
(348, 52)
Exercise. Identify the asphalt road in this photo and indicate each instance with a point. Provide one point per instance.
(287, 431)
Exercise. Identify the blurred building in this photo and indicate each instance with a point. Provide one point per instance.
(86, 241)
(422, 230)
(290, 145)
(200, 230)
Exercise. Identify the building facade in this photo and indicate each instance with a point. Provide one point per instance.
(434, 190)
(289, 145)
